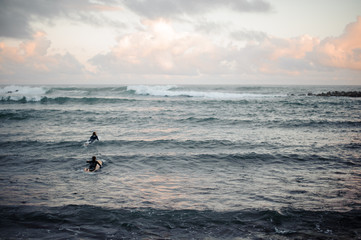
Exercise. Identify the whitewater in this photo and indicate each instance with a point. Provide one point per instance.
(180, 162)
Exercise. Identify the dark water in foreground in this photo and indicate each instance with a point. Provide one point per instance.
(90, 222)
(180, 162)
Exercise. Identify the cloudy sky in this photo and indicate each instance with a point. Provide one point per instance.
(180, 42)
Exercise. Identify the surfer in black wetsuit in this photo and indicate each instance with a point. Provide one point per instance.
(93, 137)
(93, 163)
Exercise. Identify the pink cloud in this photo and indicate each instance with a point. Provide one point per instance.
(161, 50)
(279, 56)
(343, 51)
(31, 60)
(305, 54)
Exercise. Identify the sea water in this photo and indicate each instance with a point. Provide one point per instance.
(180, 162)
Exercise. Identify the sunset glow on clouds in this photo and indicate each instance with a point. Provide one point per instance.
(161, 50)
(31, 61)
(343, 51)
(161, 42)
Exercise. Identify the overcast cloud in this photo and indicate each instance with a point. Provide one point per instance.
(16, 16)
(166, 8)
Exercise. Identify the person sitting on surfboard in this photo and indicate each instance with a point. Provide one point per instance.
(93, 164)
(93, 137)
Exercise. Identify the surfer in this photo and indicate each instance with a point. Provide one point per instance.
(93, 164)
(93, 137)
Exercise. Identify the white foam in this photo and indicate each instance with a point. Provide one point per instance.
(15, 93)
(160, 90)
(174, 91)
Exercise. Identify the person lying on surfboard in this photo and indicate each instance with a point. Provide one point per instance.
(93, 137)
(93, 164)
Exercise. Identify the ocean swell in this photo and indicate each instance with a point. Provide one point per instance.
(84, 221)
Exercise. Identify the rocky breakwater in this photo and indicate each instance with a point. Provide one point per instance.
(337, 94)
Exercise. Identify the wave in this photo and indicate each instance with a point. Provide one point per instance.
(51, 94)
(175, 91)
(27, 94)
(22, 93)
(281, 123)
(64, 100)
(140, 144)
(95, 222)
(316, 124)
(13, 89)
(61, 95)
(85, 100)
(172, 151)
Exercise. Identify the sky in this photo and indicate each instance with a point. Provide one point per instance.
(283, 42)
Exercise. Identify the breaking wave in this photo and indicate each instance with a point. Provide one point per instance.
(175, 91)
(91, 95)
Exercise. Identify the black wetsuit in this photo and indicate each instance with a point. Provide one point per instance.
(93, 165)
(93, 138)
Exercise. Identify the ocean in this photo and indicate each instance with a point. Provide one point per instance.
(180, 162)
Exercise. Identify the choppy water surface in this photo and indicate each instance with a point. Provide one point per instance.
(180, 162)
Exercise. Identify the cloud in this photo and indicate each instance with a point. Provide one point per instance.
(166, 9)
(249, 36)
(161, 50)
(16, 16)
(31, 60)
(293, 56)
(208, 27)
(157, 50)
(285, 56)
(343, 51)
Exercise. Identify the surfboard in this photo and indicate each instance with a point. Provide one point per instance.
(87, 143)
(96, 168)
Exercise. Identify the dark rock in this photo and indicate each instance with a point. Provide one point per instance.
(338, 94)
